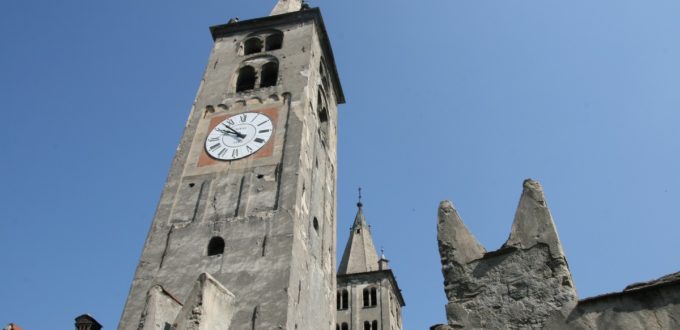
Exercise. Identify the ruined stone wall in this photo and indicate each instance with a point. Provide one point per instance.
(526, 284)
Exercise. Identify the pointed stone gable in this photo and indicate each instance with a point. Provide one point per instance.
(533, 222)
(455, 240)
(286, 6)
(360, 255)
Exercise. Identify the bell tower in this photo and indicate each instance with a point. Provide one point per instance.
(249, 205)
(368, 295)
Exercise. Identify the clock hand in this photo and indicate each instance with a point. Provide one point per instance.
(241, 135)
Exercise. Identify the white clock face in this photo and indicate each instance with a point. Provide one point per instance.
(239, 136)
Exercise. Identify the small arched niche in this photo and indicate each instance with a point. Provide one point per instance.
(315, 224)
(216, 246)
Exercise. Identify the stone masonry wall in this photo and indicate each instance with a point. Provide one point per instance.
(526, 284)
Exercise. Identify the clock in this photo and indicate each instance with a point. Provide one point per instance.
(239, 136)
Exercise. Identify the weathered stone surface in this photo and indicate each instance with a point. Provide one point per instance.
(651, 305)
(455, 241)
(533, 222)
(210, 307)
(160, 311)
(286, 6)
(275, 210)
(525, 284)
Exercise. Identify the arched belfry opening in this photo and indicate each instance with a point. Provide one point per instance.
(246, 79)
(216, 246)
(252, 46)
(274, 41)
(270, 74)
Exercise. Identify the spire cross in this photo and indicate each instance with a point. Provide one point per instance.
(360, 204)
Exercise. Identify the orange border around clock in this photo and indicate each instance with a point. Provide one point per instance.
(267, 150)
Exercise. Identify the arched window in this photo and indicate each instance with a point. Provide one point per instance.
(370, 297)
(345, 326)
(337, 326)
(252, 46)
(367, 325)
(374, 325)
(274, 41)
(216, 246)
(270, 74)
(343, 299)
(246, 79)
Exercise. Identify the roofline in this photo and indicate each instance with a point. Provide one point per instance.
(222, 30)
(627, 292)
(390, 276)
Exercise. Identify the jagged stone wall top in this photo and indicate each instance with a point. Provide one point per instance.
(526, 284)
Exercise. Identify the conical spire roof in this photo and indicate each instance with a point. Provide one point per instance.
(360, 255)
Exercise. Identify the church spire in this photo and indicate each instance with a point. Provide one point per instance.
(286, 6)
(360, 255)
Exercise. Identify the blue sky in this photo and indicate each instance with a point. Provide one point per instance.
(458, 100)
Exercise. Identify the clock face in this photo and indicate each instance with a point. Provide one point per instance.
(239, 136)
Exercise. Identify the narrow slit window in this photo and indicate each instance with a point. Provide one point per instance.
(216, 246)
(246, 79)
(345, 326)
(374, 325)
(366, 298)
(252, 46)
(270, 74)
(374, 297)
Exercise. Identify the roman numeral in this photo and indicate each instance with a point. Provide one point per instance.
(258, 140)
(263, 131)
(230, 121)
(252, 120)
(260, 124)
(215, 146)
(214, 139)
(243, 118)
(249, 149)
(222, 152)
(234, 153)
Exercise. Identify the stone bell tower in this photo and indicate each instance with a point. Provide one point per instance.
(244, 233)
(368, 296)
